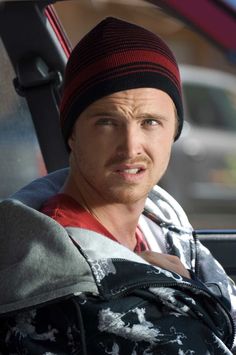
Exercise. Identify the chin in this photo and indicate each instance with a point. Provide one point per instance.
(127, 197)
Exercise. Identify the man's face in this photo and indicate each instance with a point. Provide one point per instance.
(121, 144)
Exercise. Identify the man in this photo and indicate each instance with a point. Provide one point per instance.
(115, 269)
(126, 119)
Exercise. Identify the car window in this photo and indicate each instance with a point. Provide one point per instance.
(20, 158)
(212, 107)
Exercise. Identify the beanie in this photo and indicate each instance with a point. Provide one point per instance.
(115, 56)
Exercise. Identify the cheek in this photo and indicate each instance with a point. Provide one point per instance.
(90, 155)
(162, 147)
(161, 155)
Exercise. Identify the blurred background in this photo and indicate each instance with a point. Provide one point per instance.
(79, 16)
(202, 171)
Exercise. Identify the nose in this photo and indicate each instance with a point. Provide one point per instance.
(130, 142)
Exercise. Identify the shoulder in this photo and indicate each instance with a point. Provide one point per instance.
(63, 209)
(168, 210)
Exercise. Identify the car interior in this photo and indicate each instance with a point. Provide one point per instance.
(38, 48)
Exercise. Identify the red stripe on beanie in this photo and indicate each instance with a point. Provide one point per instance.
(114, 61)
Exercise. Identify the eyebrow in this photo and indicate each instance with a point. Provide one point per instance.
(102, 114)
(155, 115)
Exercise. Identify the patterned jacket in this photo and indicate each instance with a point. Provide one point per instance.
(73, 291)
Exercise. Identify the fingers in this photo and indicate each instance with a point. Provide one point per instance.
(165, 261)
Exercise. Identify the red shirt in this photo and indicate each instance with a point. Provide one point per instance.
(68, 212)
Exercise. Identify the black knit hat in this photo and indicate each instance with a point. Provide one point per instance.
(115, 56)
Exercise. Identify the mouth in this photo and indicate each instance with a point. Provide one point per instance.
(130, 171)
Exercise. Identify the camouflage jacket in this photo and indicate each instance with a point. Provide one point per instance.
(73, 291)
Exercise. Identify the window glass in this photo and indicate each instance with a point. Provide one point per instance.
(231, 3)
(211, 107)
(20, 158)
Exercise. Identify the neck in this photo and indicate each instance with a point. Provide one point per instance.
(120, 219)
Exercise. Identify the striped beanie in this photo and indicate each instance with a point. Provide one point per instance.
(115, 56)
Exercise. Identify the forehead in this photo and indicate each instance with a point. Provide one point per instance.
(134, 99)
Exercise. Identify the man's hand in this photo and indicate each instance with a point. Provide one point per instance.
(165, 261)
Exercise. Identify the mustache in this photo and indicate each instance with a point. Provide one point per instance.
(121, 160)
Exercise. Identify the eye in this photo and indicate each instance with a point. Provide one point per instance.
(150, 122)
(106, 122)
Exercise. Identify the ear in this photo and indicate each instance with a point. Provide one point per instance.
(71, 140)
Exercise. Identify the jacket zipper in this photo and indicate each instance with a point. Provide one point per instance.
(195, 238)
